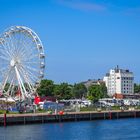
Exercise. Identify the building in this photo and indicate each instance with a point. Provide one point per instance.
(119, 81)
(91, 82)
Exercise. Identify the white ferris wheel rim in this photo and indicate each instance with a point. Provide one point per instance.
(22, 59)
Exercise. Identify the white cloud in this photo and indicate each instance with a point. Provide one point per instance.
(82, 5)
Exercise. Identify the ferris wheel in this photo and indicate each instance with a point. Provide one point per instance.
(22, 63)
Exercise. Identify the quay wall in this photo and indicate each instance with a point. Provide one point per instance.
(13, 119)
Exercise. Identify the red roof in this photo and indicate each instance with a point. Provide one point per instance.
(48, 98)
(118, 96)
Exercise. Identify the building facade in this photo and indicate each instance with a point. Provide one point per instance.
(119, 81)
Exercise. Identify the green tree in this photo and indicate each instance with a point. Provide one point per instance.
(63, 91)
(136, 88)
(104, 90)
(46, 88)
(79, 90)
(95, 92)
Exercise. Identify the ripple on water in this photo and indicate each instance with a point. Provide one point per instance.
(122, 129)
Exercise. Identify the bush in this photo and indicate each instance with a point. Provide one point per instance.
(41, 110)
(2, 111)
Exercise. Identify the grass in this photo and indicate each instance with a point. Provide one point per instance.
(8, 112)
(92, 108)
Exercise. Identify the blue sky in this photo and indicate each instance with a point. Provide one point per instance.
(83, 39)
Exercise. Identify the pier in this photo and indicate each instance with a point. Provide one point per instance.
(14, 119)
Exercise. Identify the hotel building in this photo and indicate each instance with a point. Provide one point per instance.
(119, 81)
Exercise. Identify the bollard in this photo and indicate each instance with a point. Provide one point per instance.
(42, 119)
(24, 120)
(117, 115)
(4, 119)
(104, 116)
(110, 115)
(75, 117)
(135, 114)
(90, 116)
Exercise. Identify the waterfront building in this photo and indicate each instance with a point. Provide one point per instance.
(119, 81)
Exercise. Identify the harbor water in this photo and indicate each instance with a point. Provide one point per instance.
(121, 129)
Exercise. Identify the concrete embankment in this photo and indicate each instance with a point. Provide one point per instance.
(11, 119)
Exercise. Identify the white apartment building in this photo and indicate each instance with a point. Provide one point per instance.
(119, 81)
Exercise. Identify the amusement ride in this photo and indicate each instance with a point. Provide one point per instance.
(22, 63)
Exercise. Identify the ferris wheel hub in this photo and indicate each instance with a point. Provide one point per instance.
(12, 63)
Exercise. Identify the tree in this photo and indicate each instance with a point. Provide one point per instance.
(136, 88)
(95, 92)
(62, 91)
(104, 90)
(46, 88)
(79, 90)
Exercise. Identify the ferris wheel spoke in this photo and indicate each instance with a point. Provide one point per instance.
(34, 66)
(10, 45)
(24, 54)
(31, 75)
(26, 79)
(6, 46)
(11, 85)
(22, 87)
(31, 57)
(27, 52)
(15, 42)
(6, 79)
(27, 41)
(2, 52)
(19, 43)
(33, 78)
(4, 69)
(32, 69)
(28, 45)
(30, 62)
(4, 58)
(7, 51)
(12, 91)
